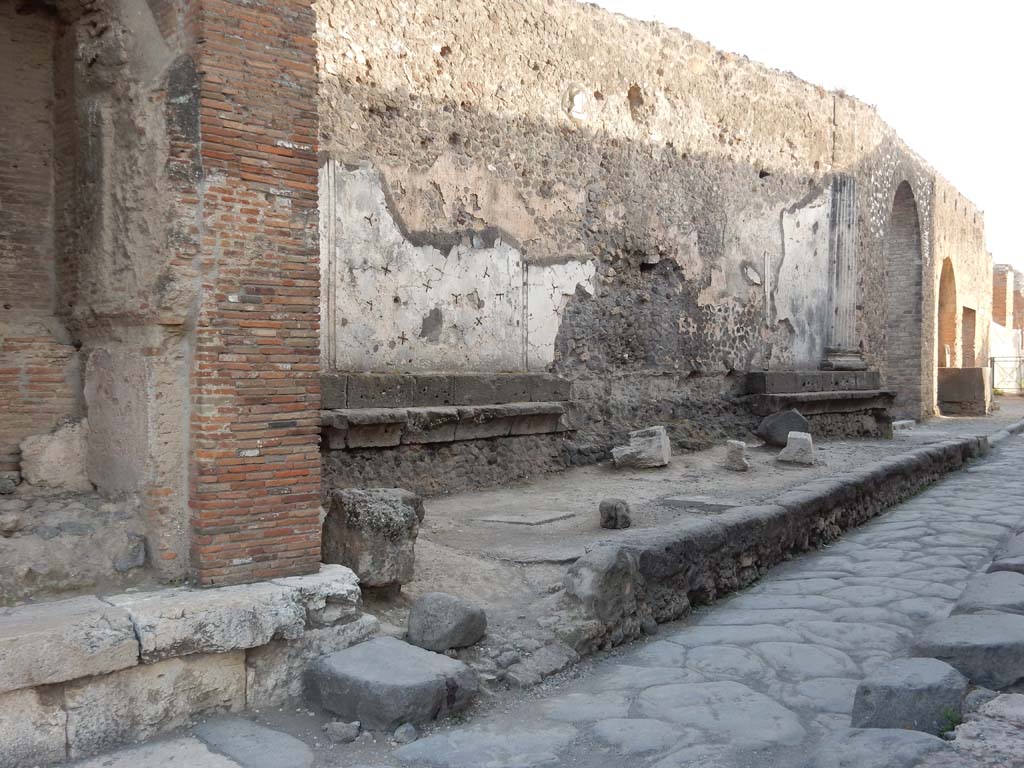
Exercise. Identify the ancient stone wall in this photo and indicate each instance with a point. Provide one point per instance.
(683, 193)
(1002, 294)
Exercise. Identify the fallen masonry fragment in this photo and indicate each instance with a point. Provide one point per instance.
(799, 449)
(438, 621)
(775, 429)
(614, 514)
(647, 448)
(736, 456)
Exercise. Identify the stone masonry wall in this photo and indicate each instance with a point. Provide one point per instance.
(1002, 295)
(684, 193)
(255, 487)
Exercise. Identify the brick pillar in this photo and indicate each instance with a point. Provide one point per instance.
(1002, 295)
(842, 352)
(255, 392)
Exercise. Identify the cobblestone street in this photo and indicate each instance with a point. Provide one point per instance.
(763, 677)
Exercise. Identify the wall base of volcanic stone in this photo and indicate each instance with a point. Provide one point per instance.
(435, 468)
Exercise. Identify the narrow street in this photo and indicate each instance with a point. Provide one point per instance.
(761, 678)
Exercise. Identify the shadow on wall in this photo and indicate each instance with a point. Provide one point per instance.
(702, 267)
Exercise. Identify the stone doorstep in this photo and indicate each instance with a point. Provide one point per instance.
(781, 382)
(63, 640)
(389, 427)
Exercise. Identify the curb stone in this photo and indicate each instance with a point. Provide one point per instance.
(682, 565)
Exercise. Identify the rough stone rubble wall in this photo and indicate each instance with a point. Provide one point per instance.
(692, 186)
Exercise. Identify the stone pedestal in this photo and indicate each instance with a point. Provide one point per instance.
(842, 352)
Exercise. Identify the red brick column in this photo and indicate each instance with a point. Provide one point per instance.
(255, 392)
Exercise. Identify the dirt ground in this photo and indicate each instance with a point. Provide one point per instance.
(507, 548)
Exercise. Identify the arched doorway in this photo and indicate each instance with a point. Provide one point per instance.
(948, 357)
(904, 357)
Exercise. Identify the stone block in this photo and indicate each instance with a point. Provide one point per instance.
(140, 703)
(536, 418)
(384, 683)
(334, 390)
(987, 648)
(252, 745)
(647, 448)
(490, 388)
(181, 752)
(374, 427)
(964, 391)
(275, 672)
(546, 387)
(63, 640)
(373, 532)
(329, 597)
(178, 622)
(58, 458)
(432, 389)
(439, 621)
(604, 582)
(31, 729)
(381, 390)
(799, 449)
(614, 514)
(542, 663)
(775, 429)
(484, 421)
(916, 694)
(431, 425)
(736, 456)
(1001, 591)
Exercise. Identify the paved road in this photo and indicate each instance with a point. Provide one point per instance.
(759, 679)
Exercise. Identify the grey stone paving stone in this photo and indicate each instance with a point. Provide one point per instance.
(182, 752)
(637, 736)
(923, 609)
(872, 616)
(1001, 591)
(494, 743)
(629, 677)
(987, 648)
(867, 595)
(736, 634)
(918, 587)
(252, 745)
(797, 587)
(1009, 564)
(724, 661)
(943, 574)
(824, 694)
(916, 694)
(384, 683)
(782, 616)
(851, 636)
(802, 661)
(725, 712)
(874, 748)
(773, 602)
(699, 756)
(883, 567)
(660, 653)
(584, 707)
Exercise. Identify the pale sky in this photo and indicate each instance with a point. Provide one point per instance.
(947, 76)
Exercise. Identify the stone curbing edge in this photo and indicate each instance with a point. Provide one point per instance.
(617, 589)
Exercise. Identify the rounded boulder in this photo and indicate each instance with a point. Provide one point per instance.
(439, 621)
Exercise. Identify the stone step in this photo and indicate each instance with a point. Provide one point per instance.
(408, 390)
(385, 682)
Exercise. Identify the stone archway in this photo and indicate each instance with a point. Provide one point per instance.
(947, 346)
(904, 356)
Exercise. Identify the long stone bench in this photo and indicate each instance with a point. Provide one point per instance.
(85, 675)
(836, 403)
(384, 427)
(407, 390)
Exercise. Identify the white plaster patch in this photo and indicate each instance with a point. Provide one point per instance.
(389, 304)
(802, 286)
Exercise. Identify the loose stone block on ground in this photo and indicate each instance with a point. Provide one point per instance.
(614, 514)
(647, 448)
(799, 449)
(775, 429)
(916, 694)
(439, 621)
(986, 648)
(373, 532)
(384, 683)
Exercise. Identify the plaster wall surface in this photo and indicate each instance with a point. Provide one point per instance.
(694, 183)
